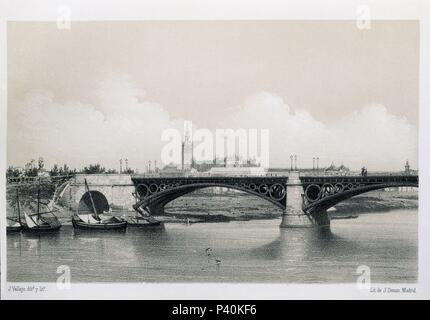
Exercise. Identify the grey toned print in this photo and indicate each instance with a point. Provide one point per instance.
(212, 151)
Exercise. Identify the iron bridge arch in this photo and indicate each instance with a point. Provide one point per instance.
(322, 193)
(157, 192)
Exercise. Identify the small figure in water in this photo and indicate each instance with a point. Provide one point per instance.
(218, 263)
(208, 252)
(216, 260)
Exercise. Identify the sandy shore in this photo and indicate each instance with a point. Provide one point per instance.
(201, 208)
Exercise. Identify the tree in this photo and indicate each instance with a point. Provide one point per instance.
(41, 164)
(30, 169)
(111, 171)
(94, 168)
(65, 170)
(128, 171)
(13, 172)
(61, 171)
(55, 171)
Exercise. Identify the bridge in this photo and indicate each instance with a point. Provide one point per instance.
(303, 199)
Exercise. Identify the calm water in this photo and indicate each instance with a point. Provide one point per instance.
(249, 251)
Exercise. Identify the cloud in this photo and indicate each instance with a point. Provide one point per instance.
(370, 136)
(121, 123)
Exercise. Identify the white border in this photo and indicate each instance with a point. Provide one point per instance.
(228, 10)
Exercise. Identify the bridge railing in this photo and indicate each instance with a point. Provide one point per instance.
(37, 179)
(322, 173)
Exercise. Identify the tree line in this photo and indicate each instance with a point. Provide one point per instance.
(35, 168)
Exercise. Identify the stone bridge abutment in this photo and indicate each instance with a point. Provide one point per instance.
(117, 190)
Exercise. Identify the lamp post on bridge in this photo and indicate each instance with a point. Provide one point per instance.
(295, 160)
(318, 164)
(313, 163)
(291, 162)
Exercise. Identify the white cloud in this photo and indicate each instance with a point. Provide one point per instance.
(121, 124)
(370, 136)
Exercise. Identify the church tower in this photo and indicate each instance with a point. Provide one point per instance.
(407, 167)
(187, 146)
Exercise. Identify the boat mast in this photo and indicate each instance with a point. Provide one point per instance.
(91, 198)
(38, 201)
(18, 206)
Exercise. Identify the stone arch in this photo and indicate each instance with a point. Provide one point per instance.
(100, 202)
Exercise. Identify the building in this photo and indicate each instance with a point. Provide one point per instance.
(334, 170)
(237, 171)
(170, 170)
(407, 168)
(187, 147)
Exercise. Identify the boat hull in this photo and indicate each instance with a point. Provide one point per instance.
(10, 229)
(42, 228)
(141, 222)
(99, 226)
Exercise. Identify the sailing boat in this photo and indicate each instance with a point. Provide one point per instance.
(95, 220)
(14, 224)
(39, 221)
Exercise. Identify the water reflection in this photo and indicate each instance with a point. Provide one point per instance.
(14, 239)
(294, 243)
(32, 241)
(229, 252)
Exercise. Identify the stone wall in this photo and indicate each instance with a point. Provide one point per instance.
(117, 188)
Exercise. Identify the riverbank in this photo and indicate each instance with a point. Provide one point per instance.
(242, 207)
(377, 201)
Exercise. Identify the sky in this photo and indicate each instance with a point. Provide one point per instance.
(102, 91)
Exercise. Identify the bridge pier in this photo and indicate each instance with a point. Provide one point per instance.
(296, 220)
(293, 215)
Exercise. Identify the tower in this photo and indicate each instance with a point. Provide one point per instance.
(187, 146)
(407, 167)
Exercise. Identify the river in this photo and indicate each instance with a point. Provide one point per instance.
(240, 251)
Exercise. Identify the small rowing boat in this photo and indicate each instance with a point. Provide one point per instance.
(146, 221)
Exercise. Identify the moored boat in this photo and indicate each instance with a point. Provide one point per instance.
(89, 221)
(41, 221)
(36, 223)
(96, 221)
(143, 222)
(14, 224)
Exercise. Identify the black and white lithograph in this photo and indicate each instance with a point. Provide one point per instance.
(222, 151)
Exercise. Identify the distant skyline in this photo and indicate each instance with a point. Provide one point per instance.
(105, 90)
